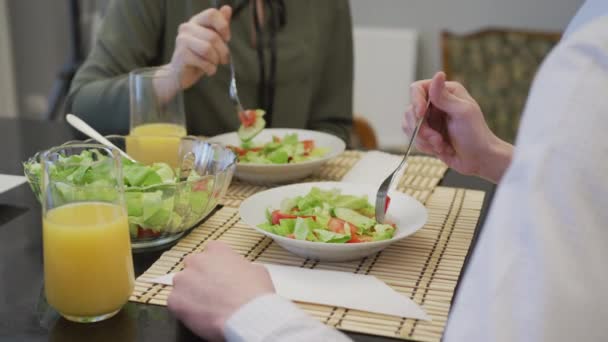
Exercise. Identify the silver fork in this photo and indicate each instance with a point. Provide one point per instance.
(386, 185)
(234, 95)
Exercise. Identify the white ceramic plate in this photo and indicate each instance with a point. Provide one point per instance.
(268, 173)
(407, 213)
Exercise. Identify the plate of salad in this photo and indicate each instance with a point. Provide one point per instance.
(280, 155)
(277, 155)
(162, 202)
(331, 221)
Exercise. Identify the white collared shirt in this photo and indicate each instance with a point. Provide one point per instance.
(539, 271)
(540, 268)
(590, 10)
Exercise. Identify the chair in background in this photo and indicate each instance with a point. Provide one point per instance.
(385, 66)
(497, 67)
(363, 135)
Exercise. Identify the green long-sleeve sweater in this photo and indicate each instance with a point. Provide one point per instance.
(314, 67)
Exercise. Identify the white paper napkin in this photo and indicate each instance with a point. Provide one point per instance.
(8, 182)
(373, 168)
(347, 290)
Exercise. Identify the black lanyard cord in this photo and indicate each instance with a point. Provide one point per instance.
(259, 44)
(278, 19)
(272, 76)
(267, 85)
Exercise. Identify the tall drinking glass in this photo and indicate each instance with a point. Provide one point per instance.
(157, 116)
(88, 266)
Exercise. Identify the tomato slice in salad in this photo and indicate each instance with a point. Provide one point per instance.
(356, 238)
(309, 145)
(248, 117)
(243, 151)
(200, 186)
(143, 233)
(336, 225)
(277, 216)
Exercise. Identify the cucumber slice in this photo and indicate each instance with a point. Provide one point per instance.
(351, 216)
(248, 133)
(259, 113)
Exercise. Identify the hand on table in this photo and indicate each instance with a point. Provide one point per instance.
(213, 285)
(455, 130)
(201, 45)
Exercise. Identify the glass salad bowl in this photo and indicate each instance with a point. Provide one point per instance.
(164, 200)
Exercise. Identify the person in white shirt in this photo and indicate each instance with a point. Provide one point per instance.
(538, 270)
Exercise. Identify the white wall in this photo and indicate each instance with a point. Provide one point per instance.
(39, 29)
(8, 107)
(430, 17)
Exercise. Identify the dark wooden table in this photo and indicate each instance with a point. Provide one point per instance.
(21, 272)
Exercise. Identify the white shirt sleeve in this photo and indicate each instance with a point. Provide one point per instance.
(589, 10)
(538, 272)
(272, 318)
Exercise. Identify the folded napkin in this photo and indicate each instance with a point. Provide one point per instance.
(8, 182)
(373, 168)
(334, 288)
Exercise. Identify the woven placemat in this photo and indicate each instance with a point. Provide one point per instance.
(419, 179)
(424, 266)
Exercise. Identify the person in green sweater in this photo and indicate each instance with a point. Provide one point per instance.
(293, 58)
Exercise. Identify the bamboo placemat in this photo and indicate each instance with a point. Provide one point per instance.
(424, 266)
(420, 178)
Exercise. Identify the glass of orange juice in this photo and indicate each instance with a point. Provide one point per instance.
(157, 116)
(88, 266)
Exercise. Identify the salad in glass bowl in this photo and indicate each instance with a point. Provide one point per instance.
(162, 202)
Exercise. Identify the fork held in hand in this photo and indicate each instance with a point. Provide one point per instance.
(386, 185)
(234, 95)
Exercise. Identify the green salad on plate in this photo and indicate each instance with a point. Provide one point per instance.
(327, 216)
(286, 150)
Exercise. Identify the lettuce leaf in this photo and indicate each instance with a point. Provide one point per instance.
(140, 175)
(151, 203)
(285, 227)
(303, 229)
(331, 237)
(165, 172)
(383, 232)
(351, 202)
(135, 205)
(291, 139)
(289, 203)
(279, 157)
(267, 227)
